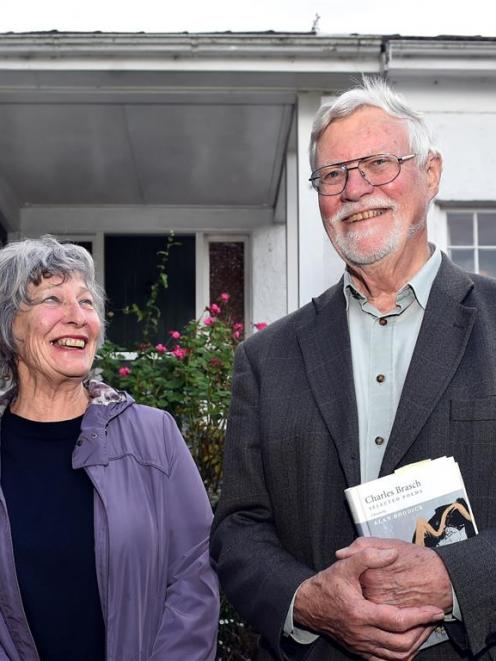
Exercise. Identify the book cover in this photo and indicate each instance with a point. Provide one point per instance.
(425, 503)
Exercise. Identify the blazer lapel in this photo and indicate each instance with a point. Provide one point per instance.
(326, 349)
(442, 340)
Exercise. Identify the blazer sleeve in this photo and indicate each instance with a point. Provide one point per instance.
(471, 565)
(188, 629)
(258, 575)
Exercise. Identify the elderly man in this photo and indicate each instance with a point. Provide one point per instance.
(394, 364)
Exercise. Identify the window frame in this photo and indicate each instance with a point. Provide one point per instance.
(203, 241)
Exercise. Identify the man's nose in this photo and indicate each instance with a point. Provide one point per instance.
(356, 186)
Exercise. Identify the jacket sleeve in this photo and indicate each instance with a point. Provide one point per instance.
(258, 575)
(188, 629)
(471, 565)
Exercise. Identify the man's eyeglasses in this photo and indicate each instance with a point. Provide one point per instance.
(376, 170)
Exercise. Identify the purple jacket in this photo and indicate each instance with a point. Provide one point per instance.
(152, 519)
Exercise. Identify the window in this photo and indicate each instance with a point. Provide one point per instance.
(472, 240)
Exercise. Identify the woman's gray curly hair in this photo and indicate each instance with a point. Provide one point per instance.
(27, 262)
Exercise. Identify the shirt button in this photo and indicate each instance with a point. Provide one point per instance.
(378, 440)
(380, 378)
(383, 321)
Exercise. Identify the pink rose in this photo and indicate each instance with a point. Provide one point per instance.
(261, 325)
(237, 330)
(124, 371)
(214, 309)
(160, 348)
(175, 334)
(208, 321)
(224, 297)
(179, 352)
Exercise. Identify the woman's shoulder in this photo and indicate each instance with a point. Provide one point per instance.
(150, 435)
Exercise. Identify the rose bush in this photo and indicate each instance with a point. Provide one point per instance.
(189, 375)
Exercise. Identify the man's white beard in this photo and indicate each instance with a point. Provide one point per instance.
(348, 245)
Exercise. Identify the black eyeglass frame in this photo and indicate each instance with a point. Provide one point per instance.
(344, 166)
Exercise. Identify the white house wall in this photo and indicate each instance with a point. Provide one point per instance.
(462, 116)
(269, 273)
(468, 143)
(461, 113)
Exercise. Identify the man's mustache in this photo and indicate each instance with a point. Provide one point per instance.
(351, 208)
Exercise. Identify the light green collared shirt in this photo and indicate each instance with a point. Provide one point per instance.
(382, 347)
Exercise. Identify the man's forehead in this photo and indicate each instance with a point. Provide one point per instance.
(365, 132)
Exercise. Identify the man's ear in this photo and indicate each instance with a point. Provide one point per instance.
(433, 171)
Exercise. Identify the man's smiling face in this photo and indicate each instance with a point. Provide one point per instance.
(367, 223)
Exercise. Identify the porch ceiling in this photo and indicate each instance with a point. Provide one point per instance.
(192, 152)
(141, 119)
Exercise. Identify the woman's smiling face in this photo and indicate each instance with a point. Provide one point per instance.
(57, 334)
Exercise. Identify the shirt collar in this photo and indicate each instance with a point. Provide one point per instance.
(420, 283)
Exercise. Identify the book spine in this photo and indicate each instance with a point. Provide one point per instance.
(363, 529)
(355, 504)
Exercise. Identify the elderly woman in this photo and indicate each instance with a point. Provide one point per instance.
(104, 520)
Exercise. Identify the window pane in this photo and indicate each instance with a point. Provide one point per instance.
(487, 262)
(460, 229)
(227, 274)
(464, 258)
(487, 229)
(130, 271)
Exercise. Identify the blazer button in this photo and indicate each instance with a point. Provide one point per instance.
(378, 440)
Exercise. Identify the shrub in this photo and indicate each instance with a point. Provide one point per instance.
(189, 375)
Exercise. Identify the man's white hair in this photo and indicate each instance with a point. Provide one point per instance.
(376, 93)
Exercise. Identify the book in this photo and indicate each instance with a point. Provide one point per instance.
(425, 503)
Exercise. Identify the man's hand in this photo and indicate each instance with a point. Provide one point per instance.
(416, 577)
(332, 602)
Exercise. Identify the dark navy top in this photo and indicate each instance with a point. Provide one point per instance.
(50, 507)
